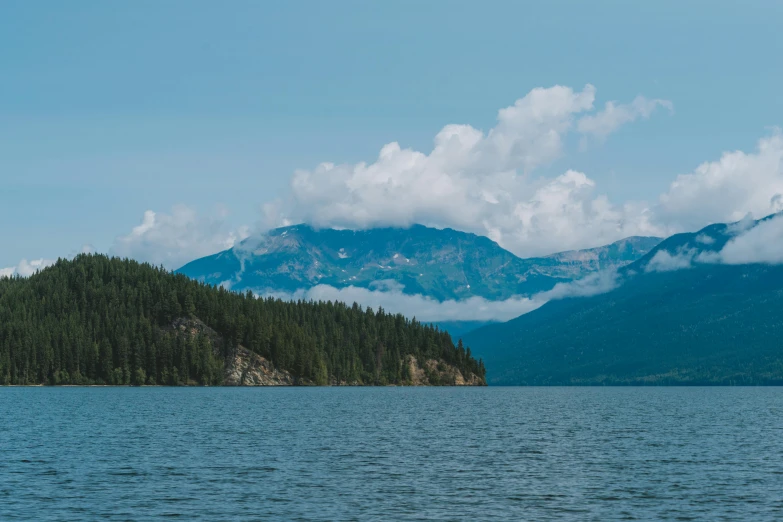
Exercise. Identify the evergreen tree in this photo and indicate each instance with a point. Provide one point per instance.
(100, 320)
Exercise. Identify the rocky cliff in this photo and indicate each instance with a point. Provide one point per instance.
(438, 373)
(245, 368)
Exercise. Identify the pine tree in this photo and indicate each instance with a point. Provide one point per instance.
(96, 320)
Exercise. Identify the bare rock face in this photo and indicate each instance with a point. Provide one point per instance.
(245, 368)
(434, 372)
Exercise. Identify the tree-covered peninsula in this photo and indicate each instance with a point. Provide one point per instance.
(101, 320)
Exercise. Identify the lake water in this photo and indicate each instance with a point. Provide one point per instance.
(391, 453)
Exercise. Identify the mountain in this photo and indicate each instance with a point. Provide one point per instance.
(576, 264)
(96, 320)
(678, 317)
(439, 263)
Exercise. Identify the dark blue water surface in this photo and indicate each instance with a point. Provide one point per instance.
(391, 453)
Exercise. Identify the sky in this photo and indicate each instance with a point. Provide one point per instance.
(165, 131)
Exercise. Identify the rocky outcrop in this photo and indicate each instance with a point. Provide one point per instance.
(434, 373)
(193, 326)
(242, 367)
(245, 368)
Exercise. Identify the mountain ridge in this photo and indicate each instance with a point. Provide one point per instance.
(439, 263)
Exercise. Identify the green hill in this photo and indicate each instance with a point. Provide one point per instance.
(96, 320)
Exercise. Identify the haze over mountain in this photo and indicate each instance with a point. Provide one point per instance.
(441, 264)
(700, 308)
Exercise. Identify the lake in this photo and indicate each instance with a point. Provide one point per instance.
(391, 453)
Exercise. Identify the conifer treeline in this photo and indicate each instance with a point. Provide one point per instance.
(96, 320)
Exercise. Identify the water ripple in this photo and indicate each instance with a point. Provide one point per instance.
(391, 454)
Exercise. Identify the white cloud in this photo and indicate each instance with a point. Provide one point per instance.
(751, 243)
(272, 216)
(421, 307)
(472, 180)
(593, 284)
(761, 244)
(741, 226)
(726, 190)
(389, 294)
(615, 115)
(664, 261)
(479, 182)
(566, 214)
(177, 238)
(708, 257)
(26, 268)
(484, 182)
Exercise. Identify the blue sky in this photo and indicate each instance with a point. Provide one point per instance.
(108, 110)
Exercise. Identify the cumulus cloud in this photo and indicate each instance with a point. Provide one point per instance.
(177, 238)
(615, 115)
(472, 180)
(566, 214)
(726, 190)
(26, 268)
(485, 182)
(481, 182)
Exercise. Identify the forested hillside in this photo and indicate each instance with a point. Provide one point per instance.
(96, 320)
(706, 325)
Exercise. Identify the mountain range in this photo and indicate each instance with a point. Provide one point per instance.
(702, 308)
(681, 314)
(442, 264)
(677, 313)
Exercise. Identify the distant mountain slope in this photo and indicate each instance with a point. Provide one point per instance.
(673, 321)
(575, 264)
(441, 264)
